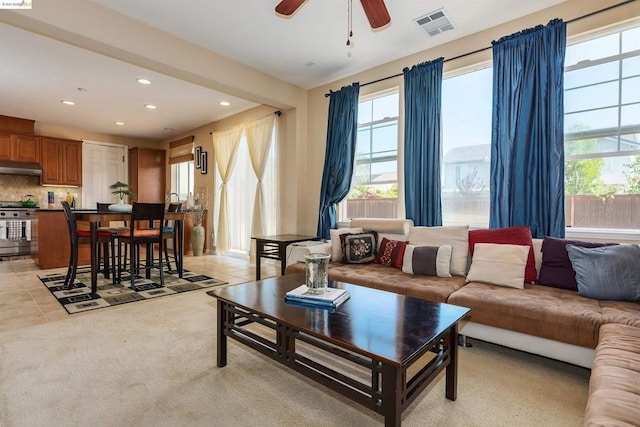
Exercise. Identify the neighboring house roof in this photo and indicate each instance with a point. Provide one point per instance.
(469, 153)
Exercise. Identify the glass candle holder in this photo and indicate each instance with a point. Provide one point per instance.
(316, 272)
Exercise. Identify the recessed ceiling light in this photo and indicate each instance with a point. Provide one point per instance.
(144, 81)
(169, 129)
(150, 106)
(119, 123)
(224, 103)
(66, 102)
(81, 89)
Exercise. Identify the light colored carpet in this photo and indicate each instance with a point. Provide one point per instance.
(154, 364)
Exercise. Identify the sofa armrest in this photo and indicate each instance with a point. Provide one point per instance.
(297, 251)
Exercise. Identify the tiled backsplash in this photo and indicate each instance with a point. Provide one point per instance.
(16, 187)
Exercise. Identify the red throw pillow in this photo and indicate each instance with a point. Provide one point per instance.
(391, 253)
(511, 236)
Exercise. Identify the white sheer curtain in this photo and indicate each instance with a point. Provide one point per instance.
(259, 136)
(225, 147)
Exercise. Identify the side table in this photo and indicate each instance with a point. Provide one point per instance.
(275, 247)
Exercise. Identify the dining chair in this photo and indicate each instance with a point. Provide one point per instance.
(113, 231)
(169, 232)
(75, 237)
(142, 231)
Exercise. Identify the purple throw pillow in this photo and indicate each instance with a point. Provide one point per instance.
(556, 270)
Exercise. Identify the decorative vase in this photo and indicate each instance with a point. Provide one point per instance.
(197, 239)
(316, 272)
(121, 206)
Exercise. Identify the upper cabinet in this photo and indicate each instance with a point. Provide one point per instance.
(20, 148)
(61, 162)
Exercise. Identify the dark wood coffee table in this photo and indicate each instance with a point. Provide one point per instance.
(379, 332)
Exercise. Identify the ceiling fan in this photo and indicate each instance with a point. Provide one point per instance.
(376, 11)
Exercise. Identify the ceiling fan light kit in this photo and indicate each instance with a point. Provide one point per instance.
(376, 11)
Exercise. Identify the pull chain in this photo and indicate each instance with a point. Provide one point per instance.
(350, 21)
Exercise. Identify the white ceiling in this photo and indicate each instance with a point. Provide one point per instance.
(307, 50)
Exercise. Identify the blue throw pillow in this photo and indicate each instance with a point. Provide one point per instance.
(609, 272)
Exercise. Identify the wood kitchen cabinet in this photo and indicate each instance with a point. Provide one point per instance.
(147, 174)
(20, 148)
(61, 162)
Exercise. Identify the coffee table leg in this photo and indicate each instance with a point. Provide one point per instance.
(452, 369)
(391, 395)
(222, 338)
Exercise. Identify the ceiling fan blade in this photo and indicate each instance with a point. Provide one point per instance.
(376, 12)
(288, 7)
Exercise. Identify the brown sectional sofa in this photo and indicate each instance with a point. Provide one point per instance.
(552, 322)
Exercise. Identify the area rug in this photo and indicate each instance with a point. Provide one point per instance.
(80, 298)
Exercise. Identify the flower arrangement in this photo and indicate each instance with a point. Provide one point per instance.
(121, 189)
(198, 213)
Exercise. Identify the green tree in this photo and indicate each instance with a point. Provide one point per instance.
(633, 176)
(582, 176)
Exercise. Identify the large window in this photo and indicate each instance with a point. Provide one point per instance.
(466, 148)
(602, 130)
(374, 189)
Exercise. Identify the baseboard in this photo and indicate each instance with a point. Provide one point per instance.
(576, 355)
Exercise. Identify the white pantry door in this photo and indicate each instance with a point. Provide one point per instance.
(102, 165)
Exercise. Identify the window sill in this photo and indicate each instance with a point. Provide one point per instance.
(604, 234)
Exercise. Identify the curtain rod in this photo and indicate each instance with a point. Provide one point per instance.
(489, 47)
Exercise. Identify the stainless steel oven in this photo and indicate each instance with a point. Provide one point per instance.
(18, 230)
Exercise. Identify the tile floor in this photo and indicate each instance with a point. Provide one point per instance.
(24, 301)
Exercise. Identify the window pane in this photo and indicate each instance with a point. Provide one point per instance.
(385, 138)
(590, 75)
(603, 193)
(631, 67)
(631, 90)
(386, 106)
(592, 49)
(606, 118)
(631, 40)
(589, 97)
(364, 112)
(466, 133)
(631, 115)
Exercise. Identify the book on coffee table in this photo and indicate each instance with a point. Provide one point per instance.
(332, 297)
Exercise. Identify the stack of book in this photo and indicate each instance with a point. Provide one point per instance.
(331, 298)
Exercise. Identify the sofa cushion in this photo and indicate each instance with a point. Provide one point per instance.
(556, 270)
(614, 384)
(391, 279)
(508, 235)
(391, 253)
(359, 248)
(427, 260)
(608, 272)
(499, 264)
(556, 314)
(336, 244)
(624, 312)
(456, 236)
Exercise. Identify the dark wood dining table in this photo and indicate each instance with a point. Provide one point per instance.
(94, 218)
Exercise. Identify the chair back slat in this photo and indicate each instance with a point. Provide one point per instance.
(71, 221)
(149, 212)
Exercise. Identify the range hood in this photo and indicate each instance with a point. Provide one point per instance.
(18, 168)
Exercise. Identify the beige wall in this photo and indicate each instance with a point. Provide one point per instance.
(45, 129)
(318, 104)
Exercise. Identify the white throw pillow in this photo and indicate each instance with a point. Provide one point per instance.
(499, 264)
(427, 260)
(456, 236)
(336, 247)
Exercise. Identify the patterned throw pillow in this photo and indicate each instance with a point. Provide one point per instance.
(391, 253)
(359, 248)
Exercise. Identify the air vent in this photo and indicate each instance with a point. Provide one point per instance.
(434, 23)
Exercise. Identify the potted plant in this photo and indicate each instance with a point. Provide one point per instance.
(122, 190)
